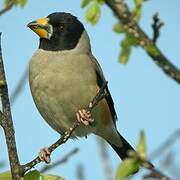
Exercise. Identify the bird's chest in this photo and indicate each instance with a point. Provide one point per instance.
(60, 88)
(62, 80)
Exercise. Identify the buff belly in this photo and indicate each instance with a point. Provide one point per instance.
(60, 90)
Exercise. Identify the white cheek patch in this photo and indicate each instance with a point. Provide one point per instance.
(50, 31)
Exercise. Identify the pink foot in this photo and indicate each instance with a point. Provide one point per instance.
(44, 155)
(84, 116)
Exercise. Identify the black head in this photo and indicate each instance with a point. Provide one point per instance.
(59, 31)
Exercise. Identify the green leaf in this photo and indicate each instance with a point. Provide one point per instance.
(138, 2)
(2, 83)
(6, 175)
(127, 168)
(36, 175)
(93, 13)
(126, 47)
(152, 50)
(137, 14)
(124, 55)
(101, 2)
(32, 175)
(84, 3)
(128, 41)
(118, 28)
(51, 177)
(16, 2)
(141, 147)
(22, 3)
(137, 11)
(6, 2)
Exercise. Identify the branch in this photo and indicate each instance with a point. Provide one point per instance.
(62, 140)
(156, 26)
(154, 173)
(162, 148)
(7, 7)
(7, 123)
(149, 166)
(166, 144)
(19, 87)
(167, 160)
(80, 172)
(100, 95)
(170, 164)
(2, 164)
(124, 15)
(157, 175)
(61, 161)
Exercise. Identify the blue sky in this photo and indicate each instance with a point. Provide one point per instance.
(144, 96)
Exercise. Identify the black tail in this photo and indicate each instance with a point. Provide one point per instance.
(122, 151)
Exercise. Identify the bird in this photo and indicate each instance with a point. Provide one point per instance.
(64, 76)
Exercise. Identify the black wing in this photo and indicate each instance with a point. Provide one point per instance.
(100, 81)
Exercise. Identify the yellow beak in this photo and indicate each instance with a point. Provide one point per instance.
(42, 28)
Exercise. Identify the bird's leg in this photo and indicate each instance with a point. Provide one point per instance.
(44, 155)
(84, 116)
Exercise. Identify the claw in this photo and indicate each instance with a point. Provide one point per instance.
(84, 116)
(44, 155)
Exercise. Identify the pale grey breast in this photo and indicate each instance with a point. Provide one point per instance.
(61, 84)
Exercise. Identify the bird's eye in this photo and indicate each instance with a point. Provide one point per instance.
(61, 28)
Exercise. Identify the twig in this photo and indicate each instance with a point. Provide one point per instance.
(19, 87)
(166, 144)
(167, 160)
(62, 140)
(156, 26)
(80, 172)
(147, 165)
(163, 147)
(105, 159)
(100, 95)
(154, 173)
(7, 7)
(157, 175)
(124, 15)
(157, 152)
(170, 164)
(2, 164)
(7, 123)
(61, 161)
